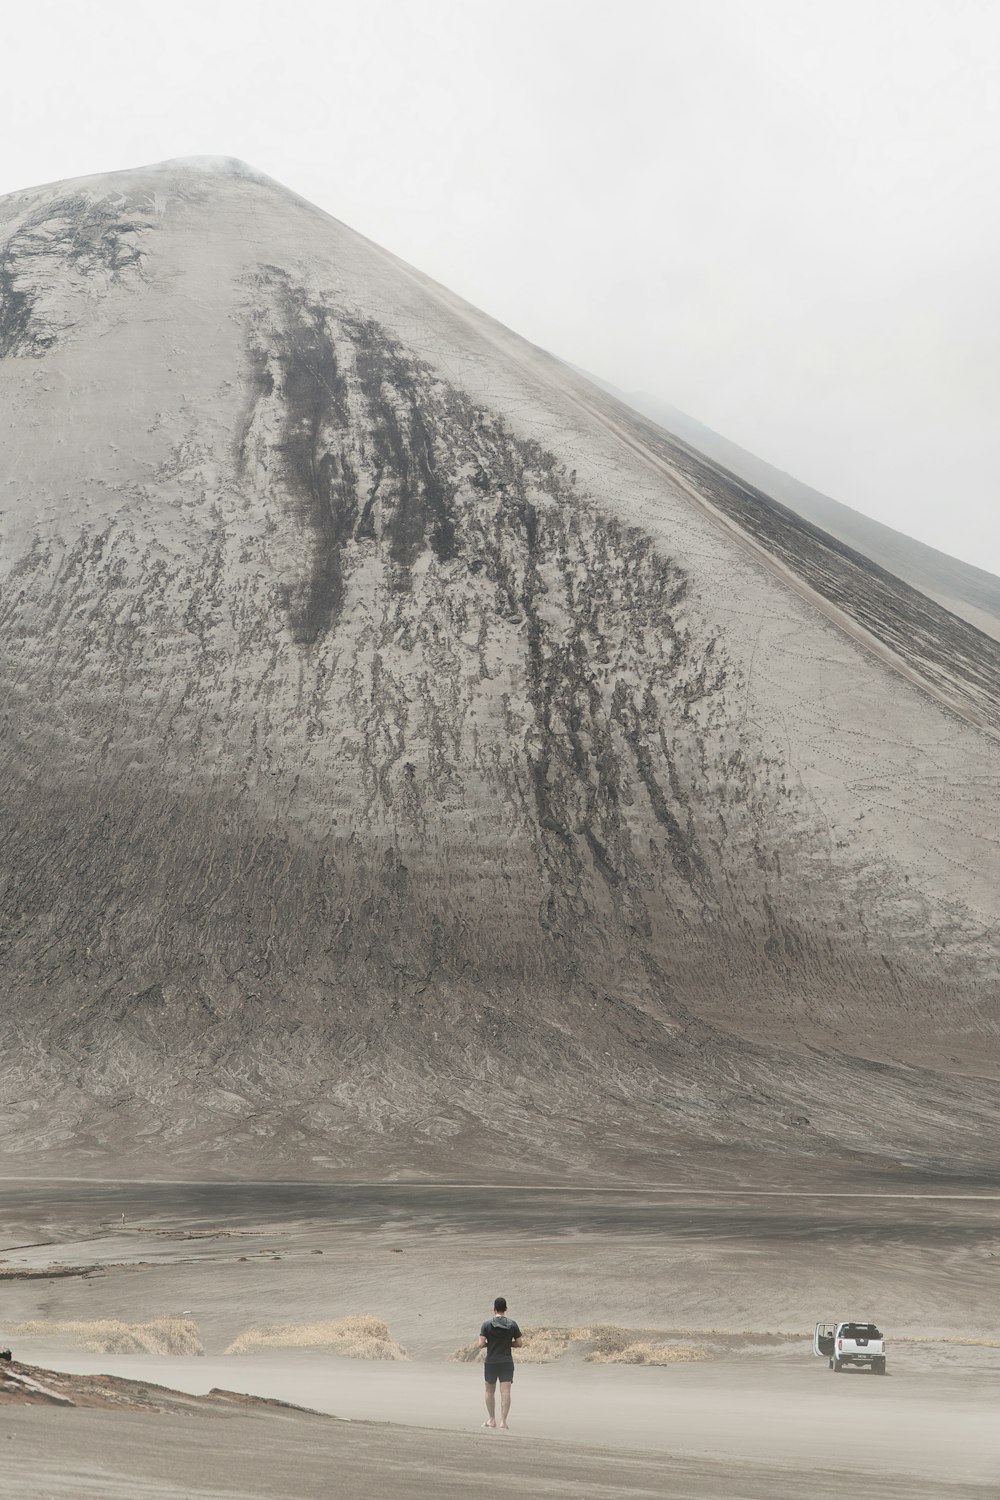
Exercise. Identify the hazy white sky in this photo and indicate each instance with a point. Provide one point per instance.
(781, 216)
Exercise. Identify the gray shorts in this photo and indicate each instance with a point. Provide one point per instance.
(499, 1369)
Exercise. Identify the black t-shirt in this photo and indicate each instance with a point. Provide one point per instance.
(499, 1333)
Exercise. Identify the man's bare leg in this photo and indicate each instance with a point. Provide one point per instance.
(505, 1389)
(491, 1397)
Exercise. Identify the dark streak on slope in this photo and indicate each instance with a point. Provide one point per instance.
(321, 479)
(403, 449)
(16, 315)
(74, 236)
(322, 459)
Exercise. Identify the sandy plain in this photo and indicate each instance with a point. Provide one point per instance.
(740, 1275)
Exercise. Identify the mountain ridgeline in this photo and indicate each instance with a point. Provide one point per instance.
(413, 762)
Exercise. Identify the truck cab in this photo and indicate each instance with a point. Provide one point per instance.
(855, 1344)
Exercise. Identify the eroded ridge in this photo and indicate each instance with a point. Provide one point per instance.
(959, 663)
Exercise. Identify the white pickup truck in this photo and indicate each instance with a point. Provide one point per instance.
(846, 1344)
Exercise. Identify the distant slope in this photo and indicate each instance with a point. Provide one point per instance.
(966, 591)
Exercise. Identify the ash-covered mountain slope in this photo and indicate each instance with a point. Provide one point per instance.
(410, 762)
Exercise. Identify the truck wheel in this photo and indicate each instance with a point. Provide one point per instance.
(878, 1366)
(831, 1361)
(837, 1367)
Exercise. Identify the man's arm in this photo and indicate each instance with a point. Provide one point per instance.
(516, 1343)
(482, 1342)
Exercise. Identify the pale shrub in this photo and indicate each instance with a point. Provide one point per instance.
(112, 1336)
(355, 1338)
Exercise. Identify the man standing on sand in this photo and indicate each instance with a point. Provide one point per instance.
(498, 1336)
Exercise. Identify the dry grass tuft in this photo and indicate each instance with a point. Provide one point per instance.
(541, 1346)
(646, 1353)
(356, 1338)
(544, 1345)
(608, 1345)
(111, 1336)
(638, 1346)
(470, 1353)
